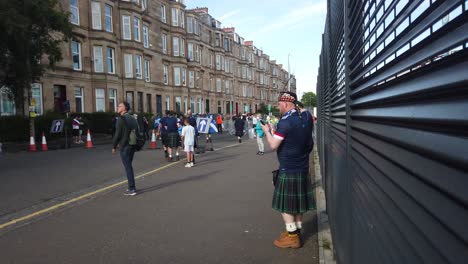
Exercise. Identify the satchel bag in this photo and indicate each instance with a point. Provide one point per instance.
(275, 176)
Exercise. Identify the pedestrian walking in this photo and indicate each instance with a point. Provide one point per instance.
(162, 133)
(293, 194)
(260, 135)
(188, 136)
(255, 120)
(170, 125)
(80, 131)
(124, 125)
(239, 125)
(76, 129)
(219, 123)
(146, 127)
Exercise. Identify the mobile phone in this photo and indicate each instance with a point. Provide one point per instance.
(263, 122)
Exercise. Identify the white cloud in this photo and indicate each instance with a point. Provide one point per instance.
(296, 17)
(228, 15)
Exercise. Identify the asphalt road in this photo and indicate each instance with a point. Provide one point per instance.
(216, 212)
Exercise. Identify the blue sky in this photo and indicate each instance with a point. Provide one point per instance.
(278, 28)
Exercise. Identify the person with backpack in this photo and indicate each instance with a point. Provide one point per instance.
(124, 125)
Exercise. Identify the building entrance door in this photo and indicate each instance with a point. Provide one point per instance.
(158, 105)
(60, 96)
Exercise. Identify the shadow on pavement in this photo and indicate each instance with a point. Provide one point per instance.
(167, 184)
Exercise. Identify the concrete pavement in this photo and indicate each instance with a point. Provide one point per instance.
(216, 212)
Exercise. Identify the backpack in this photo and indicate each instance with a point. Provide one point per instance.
(136, 138)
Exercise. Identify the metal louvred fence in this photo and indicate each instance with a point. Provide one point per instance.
(393, 130)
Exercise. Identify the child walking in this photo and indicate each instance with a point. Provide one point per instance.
(188, 135)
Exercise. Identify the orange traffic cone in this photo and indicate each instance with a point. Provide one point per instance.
(153, 144)
(44, 142)
(89, 143)
(32, 144)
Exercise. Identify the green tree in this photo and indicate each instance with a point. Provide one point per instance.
(309, 99)
(31, 30)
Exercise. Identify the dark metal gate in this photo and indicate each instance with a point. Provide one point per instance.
(393, 130)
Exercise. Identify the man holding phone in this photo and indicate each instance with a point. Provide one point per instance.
(293, 194)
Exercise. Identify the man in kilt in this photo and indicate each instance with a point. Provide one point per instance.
(170, 124)
(293, 194)
(239, 125)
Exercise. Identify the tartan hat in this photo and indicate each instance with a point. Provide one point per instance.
(287, 97)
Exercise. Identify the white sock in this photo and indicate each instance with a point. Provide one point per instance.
(170, 156)
(177, 153)
(299, 225)
(291, 227)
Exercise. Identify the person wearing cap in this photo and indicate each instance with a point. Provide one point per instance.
(293, 194)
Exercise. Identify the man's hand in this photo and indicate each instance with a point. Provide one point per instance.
(265, 128)
(113, 151)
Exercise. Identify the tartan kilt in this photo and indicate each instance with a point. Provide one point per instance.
(239, 133)
(172, 140)
(293, 193)
(164, 139)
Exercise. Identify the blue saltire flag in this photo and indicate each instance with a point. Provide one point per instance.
(213, 127)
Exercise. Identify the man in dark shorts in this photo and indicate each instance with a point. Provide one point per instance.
(170, 124)
(293, 194)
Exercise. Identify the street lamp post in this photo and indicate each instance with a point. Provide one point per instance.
(289, 75)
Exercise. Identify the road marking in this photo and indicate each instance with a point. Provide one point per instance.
(60, 205)
(57, 206)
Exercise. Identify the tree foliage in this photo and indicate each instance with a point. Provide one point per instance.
(309, 99)
(32, 30)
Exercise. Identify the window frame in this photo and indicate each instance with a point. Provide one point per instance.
(128, 65)
(136, 29)
(146, 36)
(189, 24)
(112, 92)
(75, 8)
(164, 43)
(175, 17)
(163, 14)
(96, 16)
(80, 68)
(99, 98)
(147, 71)
(177, 76)
(165, 74)
(175, 48)
(98, 61)
(126, 26)
(138, 67)
(191, 79)
(108, 16)
(110, 59)
(81, 97)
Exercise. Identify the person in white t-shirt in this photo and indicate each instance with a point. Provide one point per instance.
(188, 135)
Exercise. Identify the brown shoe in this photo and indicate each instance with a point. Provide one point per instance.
(288, 241)
(285, 233)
